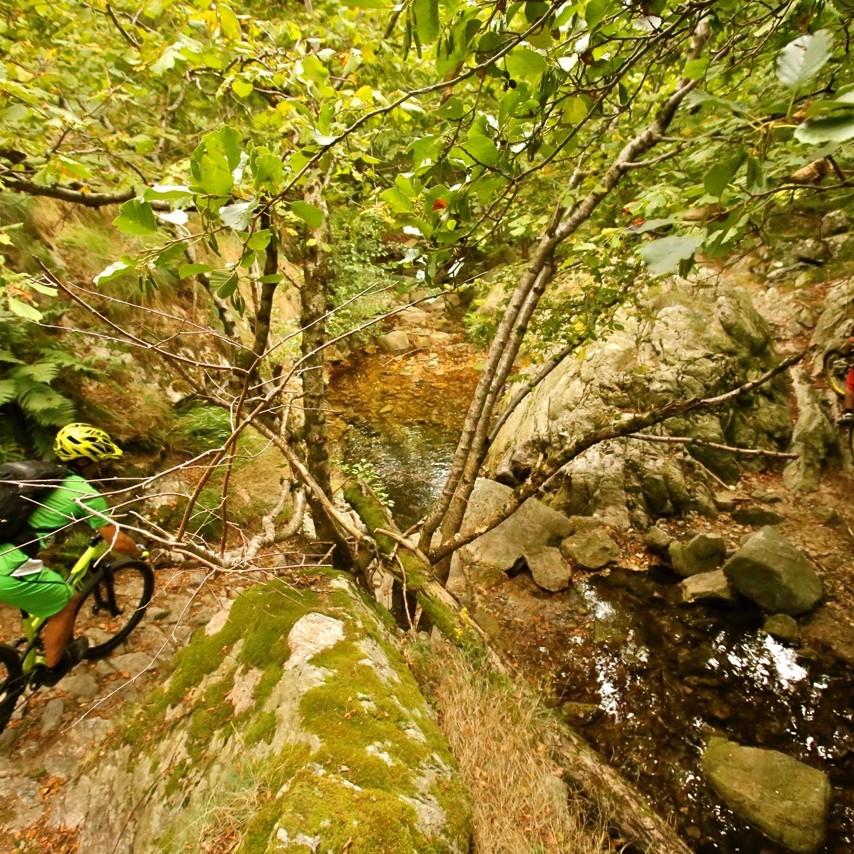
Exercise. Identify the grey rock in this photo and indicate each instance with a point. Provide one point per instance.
(826, 515)
(549, 568)
(591, 549)
(691, 338)
(700, 554)
(708, 586)
(814, 437)
(531, 527)
(756, 516)
(786, 799)
(724, 501)
(783, 627)
(771, 572)
(132, 663)
(657, 540)
(81, 686)
(395, 341)
(52, 714)
(834, 222)
(810, 249)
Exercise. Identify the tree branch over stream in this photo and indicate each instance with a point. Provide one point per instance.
(625, 426)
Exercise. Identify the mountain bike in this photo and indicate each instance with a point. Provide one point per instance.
(835, 367)
(113, 596)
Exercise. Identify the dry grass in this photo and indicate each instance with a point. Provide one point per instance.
(500, 740)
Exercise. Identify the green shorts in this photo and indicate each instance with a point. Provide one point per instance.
(41, 591)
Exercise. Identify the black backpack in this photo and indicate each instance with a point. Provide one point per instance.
(23, 486)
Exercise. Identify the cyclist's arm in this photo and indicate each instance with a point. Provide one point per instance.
(119, 541)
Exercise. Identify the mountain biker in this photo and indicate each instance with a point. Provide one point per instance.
(26, 583)
(847, 416)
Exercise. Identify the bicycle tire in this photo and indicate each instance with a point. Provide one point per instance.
(835, 369)
(112, 604)
(12, 683)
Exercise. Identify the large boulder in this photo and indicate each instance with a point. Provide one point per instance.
(291, 723)
(773, 574)
(532, 527)
(689, 338)
(786, 799)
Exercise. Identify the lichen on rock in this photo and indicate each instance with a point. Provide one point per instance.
(293, 725)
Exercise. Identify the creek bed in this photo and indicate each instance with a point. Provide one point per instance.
(666, 675)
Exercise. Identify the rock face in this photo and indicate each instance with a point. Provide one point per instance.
(290, 723)
(787, 800)
(689, 339)
(771, 572)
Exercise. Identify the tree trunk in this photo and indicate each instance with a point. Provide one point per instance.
(448, 514)
(313, 310)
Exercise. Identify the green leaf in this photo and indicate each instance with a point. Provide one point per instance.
(310, 214)
(717, 179)
(268, 171)
(272, 279)
(366, 4)
(242, 88)
(482, 149)
(800, 60)
(827, 129)
(224, 282)
(23, 309)
(396, 200)
(756, 182)
(228, 23)
(214, 174)
(426, 20)
(523, 63)
(237, 216)
(664, 255)
(260, 240)
(695, 69)
(116, 269)
(136, 217)
(167, 193)
(188, 270)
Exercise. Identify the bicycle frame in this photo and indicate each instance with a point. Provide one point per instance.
(96, 549)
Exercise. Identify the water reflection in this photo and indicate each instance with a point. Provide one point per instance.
(666, 677)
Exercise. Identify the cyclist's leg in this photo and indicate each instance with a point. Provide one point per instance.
(29, 585)
(848, 402)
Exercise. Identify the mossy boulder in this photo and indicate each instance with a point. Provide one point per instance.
(291, 723)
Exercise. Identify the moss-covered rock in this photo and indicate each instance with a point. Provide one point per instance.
(291, 723)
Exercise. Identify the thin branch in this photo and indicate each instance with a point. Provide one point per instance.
(687, 440)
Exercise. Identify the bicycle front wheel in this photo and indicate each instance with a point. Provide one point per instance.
(11, 683)
(835, 368)
(112, 604)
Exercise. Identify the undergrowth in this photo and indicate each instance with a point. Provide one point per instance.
(499, 738)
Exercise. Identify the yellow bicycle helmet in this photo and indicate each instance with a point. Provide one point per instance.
(83, 440)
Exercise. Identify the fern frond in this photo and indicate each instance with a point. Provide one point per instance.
(8, 391)
(7, 357)
(40, 372)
